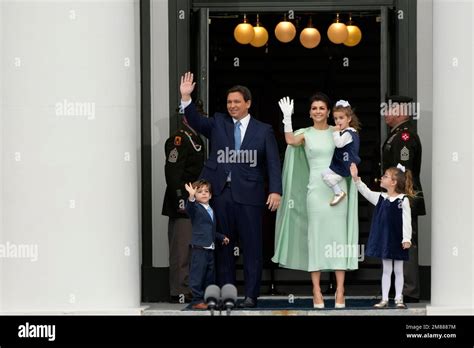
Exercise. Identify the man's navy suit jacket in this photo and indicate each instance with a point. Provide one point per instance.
(247, 178)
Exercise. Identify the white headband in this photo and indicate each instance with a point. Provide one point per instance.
(343, 103)
(402, 168)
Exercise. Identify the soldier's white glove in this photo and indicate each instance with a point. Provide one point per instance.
(286, 106)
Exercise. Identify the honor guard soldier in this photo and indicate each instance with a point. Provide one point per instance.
(403, 146)
(184, 161)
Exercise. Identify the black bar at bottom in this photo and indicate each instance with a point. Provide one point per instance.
(136, 330)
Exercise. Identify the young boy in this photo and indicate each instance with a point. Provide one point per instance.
(202, 272)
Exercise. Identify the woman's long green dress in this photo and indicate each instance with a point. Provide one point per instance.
(311, 235)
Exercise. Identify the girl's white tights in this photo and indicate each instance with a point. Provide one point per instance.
(387, 275)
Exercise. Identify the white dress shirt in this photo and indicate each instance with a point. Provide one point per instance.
(244, 123)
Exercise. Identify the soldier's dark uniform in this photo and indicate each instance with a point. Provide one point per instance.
(403, 146)
(184, 161)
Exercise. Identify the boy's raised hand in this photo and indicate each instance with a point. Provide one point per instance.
(191, 190)
(225, 241)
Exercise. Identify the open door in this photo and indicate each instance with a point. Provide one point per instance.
(363, 75)
(277, 70)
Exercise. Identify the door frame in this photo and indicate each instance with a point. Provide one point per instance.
(398, 76)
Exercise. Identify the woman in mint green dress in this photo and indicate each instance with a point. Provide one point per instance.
(311, 235)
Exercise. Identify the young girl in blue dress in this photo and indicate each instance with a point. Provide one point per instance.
(390, 231)
(346, 139)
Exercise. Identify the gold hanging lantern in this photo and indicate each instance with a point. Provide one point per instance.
(244, 32)
(337, 32)
(261, 35)
(310, 36)
(355, 35)
(285, 31)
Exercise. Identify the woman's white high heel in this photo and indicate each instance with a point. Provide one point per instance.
(339, 305)
(319, 305)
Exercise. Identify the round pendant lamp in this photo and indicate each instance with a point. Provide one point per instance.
(310, 36)
(261, 35)
(285, 31)
(337, 32)
(244, 32)
(355, 35)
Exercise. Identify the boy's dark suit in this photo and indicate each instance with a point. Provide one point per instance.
(202, 272)
(239, 204)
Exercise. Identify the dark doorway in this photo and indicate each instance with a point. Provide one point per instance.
(277, 70)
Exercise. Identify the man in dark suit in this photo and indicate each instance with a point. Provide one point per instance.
(184, 152)
(243, 151)
(403, 146)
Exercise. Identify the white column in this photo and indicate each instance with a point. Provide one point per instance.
(69, 147)
(424, 55)
(452, 270)
(1, 143)
(160, 86)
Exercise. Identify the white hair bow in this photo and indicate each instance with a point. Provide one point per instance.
(401, 167)
(343, 103)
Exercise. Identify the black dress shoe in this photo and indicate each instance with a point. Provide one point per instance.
(248, 303)
(408, 299)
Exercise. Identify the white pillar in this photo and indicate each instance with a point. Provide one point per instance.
(1, 144)
(160, 86)
(424, 55)
(69, 147)
(452, 269)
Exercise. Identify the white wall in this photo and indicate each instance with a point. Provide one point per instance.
(452, 288)
(160, 125)
(424, 28)
(70, 177)
(1, 141)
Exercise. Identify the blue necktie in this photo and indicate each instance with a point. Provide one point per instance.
(237, 138)
(237, 141)
(209, 210)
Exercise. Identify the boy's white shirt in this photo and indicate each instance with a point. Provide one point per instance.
(344, 139)
(373, 197)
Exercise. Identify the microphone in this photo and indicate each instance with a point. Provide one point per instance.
(212, 296)
(229, 297)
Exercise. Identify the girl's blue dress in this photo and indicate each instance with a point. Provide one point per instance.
(386, 231)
